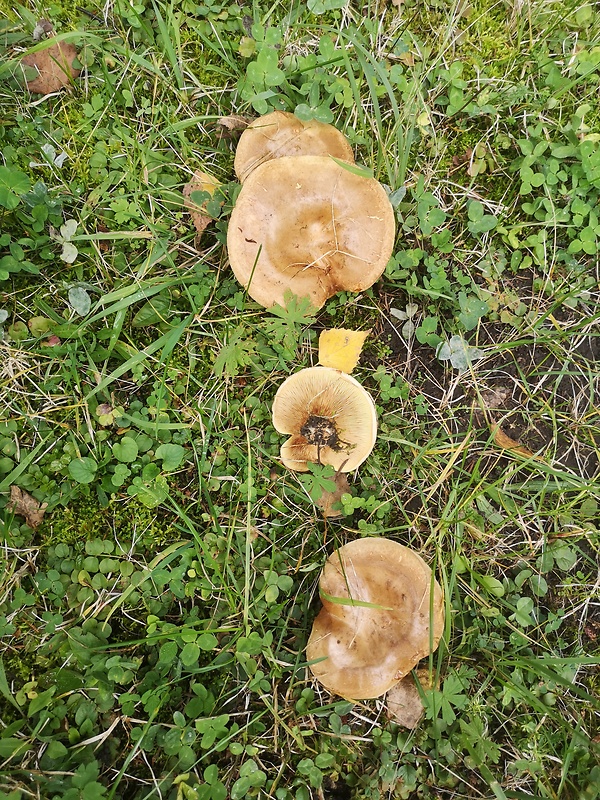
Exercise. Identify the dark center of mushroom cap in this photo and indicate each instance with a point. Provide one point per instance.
(320, 431)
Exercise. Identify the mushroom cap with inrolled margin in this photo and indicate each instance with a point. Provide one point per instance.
(329, 416)
(360, 651)
(54, 67)
(308, 225)
(281, 134)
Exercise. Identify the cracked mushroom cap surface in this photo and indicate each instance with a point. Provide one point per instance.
(330, 417)
(307, 224)
(282, 134)
(54, 67)
(361, 651)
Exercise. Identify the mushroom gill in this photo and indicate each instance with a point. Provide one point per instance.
(329, 417)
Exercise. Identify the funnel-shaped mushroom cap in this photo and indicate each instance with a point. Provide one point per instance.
(282, 134)
(398, 618)
(331, 419)
(311, 226)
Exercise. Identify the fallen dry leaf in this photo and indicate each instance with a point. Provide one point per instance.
(329, 499)
(459, 161)
(408, 59)
(54, 67)
(403, 702)
(201, 182)
(226, 126)
(495, 397)
(106, 414)
(340, 348)
(42, 28)
(26, 506)
(506, 443)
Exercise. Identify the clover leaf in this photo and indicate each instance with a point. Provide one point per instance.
(460, 354)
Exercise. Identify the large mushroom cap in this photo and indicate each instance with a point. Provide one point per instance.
(307, 224)
(365, 649)
(282, 134)
(331, 419)
(54, 67)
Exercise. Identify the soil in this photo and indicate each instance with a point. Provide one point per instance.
(519, 388)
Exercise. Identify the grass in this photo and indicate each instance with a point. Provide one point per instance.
(154, 620)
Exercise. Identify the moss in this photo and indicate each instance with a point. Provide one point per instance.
(129, 521)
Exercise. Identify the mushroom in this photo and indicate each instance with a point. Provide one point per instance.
(283, 134)
(54, 67)
(330, 418)
(382, 613)
(308, 224)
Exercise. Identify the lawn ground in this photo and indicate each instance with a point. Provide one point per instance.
(159, 566)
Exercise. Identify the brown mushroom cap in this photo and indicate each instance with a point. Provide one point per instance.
(307, 224)
(282, 134)
(54, 66)
(366, 649)
(331, 419)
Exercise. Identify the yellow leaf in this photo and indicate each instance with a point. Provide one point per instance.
(506, 443)
(340, 348)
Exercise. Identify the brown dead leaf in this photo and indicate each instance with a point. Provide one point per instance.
(460, 160)
(106, 414)
(329, 499)
(43, 27)
(228, 126)
(201, 182)
(408, 59)
(102, 245)
(506, 443)
(403, 702)
(54, 67)
(26, 506)
(494, 397)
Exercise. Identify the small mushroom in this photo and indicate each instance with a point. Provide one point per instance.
(309, 225)
(283, 134)
(382, 613)
(330, 418)
(54, 67)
